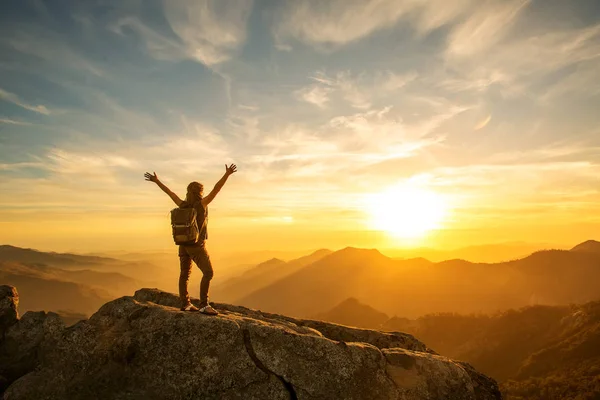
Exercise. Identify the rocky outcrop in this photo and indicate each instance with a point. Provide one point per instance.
(142, 347)
(9, 304)
(24, 340)
(381, 340)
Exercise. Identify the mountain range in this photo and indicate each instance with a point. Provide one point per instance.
(314, 284)
(74, 285)
(262, 276)
(351, 312)
(415, 287)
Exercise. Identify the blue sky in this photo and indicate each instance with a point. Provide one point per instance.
(491, 104)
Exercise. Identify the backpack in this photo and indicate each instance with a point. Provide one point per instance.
(185, 226)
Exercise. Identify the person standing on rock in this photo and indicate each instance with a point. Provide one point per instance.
(196, 252)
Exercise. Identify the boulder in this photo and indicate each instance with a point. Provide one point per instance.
(382, 340)
(143, 347)
(23, 340)
(9, 305)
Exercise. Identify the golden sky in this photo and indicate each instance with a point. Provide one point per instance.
(364, 123)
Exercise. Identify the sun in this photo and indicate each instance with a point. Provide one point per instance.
(406, 212)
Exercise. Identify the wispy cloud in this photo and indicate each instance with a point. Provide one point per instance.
(356, 90)
(583, 82)
(85, 165)
(13, 98)
(12, 121)
(483, 123)
(336, 22)
(551, 51)
(314, 94)
(20, 165)
(158, 45)
(51, 47)
(210, 29)
(485, 27)
(344, 144)
(521, 62)
(204, 30)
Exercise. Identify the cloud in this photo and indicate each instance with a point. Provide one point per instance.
(483, 123)
(66, 162)
(108, 176)
(390, 82)
(343, 144)
(480, 192)
(53, 48)
(356, 90)
(524, 61)
(210, 29)
(518, 176)
(13, 98)
(12, 121)
(19, 165)
(248, 107)
(478, 80)
(560, 151)
(314, 94)
(433, 14)
(189, 147)
(485, 27)
(550, 51)
(584, 81)
(338, 22)
(158, 45)
(356, 97)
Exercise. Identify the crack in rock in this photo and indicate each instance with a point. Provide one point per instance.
(259, 364)
(385, 369)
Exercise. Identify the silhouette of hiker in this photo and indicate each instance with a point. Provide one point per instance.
(196, 252)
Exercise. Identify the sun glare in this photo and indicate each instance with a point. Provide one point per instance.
(406, 212)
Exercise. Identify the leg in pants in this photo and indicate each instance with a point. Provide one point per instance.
(202, 260)
(185, 265)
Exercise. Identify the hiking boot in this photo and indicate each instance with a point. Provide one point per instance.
(189, 307)
(208, 310)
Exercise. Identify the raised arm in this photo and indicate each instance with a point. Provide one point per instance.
(211, 196)
(153, 178)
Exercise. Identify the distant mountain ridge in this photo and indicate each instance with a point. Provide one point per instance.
(42, 290)
(416, 287)
(592, 246)
(69, 283)
(351, 312)
(28, 256)
(262, 275)
(318, 282)
(113, 281)
(487, 253)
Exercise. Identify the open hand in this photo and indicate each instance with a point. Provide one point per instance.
(150, 177)
(231, 169)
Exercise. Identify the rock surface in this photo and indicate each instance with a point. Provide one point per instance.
(24, 340)
(9, 304)
(141, 347)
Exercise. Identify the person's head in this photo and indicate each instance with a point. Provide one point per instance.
(195, 191)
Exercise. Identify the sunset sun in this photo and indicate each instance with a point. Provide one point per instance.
(406, 212)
